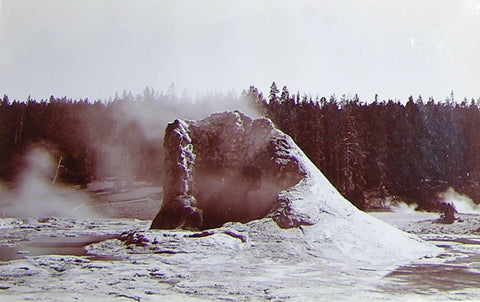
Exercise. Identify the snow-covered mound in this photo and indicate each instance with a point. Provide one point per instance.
(231, 168)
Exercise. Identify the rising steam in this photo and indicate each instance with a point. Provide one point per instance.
(149, 115)
(402, 207)
(152, 116)
(463, 204)
(37, 195)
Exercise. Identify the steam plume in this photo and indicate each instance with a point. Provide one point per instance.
(149, 115)
(463, 204)
(37, 195)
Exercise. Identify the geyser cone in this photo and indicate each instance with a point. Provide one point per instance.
(227, 167)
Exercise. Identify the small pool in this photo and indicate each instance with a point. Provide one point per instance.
(73, 246)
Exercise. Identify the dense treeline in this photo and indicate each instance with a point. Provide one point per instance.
(370, 151)
(87, 140)
(384, 149)
(121, 138)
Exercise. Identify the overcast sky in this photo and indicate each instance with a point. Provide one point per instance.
(93, 48)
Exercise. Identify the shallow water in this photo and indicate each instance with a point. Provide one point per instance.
(428, 278)
(460, 270)
(73, 246)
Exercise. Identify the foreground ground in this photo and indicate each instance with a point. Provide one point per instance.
(50, 258)
(230, 263)
(452, 275)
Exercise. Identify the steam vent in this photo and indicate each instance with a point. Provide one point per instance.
(227, 167)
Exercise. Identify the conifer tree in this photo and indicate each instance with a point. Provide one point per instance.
(273, 95)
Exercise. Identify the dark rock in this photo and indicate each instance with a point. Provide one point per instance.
(447, 215)
(226, 167)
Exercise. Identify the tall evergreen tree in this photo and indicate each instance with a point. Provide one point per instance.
(273, 95)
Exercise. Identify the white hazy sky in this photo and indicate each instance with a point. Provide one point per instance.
(92, 48)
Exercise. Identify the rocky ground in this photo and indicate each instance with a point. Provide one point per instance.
(236, 262)
(53, 258)
(115, 199)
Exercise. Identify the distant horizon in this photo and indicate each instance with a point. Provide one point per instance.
(184, 93)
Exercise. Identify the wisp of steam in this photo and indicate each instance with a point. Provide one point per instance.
(38, 196)
(151, 116)
(402, 207)
(463, 204)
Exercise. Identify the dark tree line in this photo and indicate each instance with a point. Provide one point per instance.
(384, 149)
(87, 140)
(121, 138)
(369, 151)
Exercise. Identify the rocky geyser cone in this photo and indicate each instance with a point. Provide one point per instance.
(226, 167)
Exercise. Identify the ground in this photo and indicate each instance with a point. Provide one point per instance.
(64, 259)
